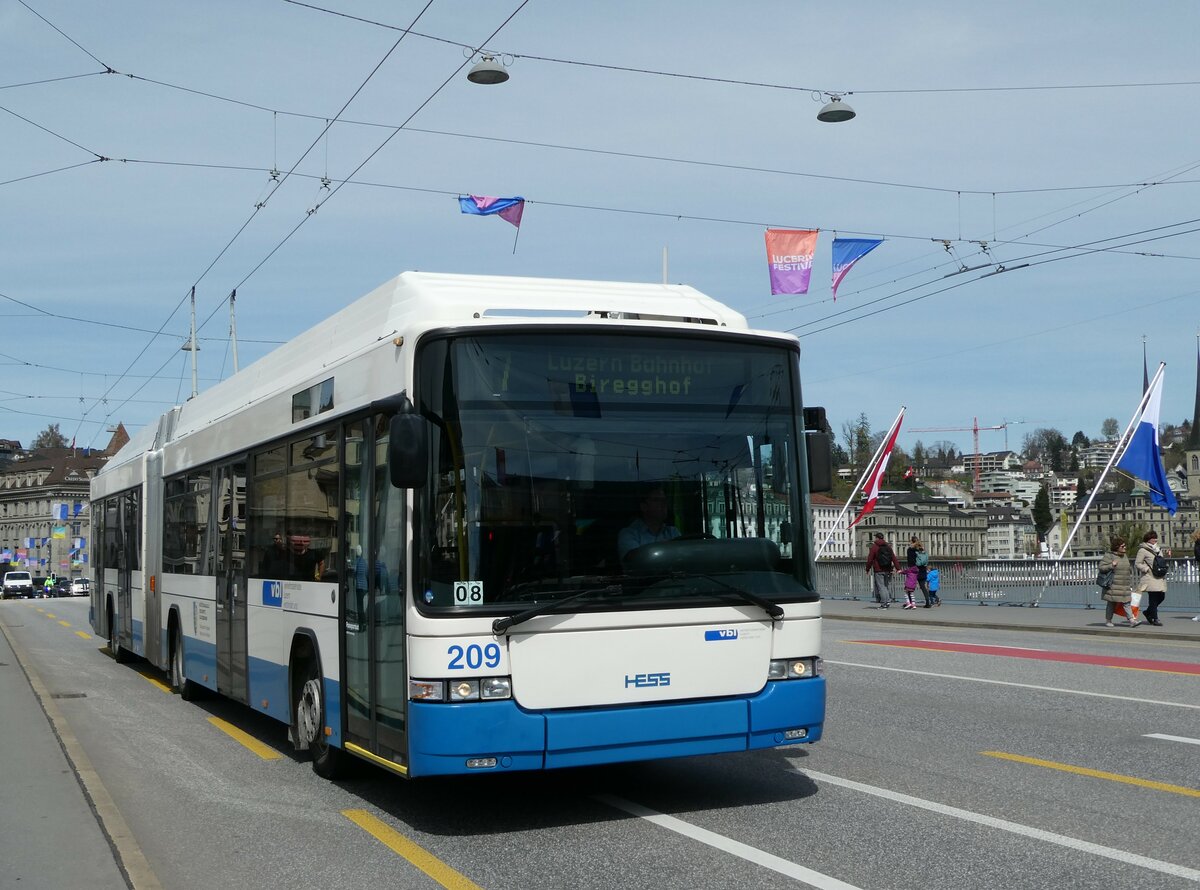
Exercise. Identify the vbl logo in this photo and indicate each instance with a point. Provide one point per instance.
(723, 634)
(641, 681)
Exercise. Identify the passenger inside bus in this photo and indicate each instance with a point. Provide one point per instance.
(276, 563)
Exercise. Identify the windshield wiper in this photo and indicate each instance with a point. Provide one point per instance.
(772, 609)
(500, 625)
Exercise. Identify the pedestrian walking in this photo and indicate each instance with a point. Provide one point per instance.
(881, 563)
(1196, 553)
(1152, 578)
(918, 558)
(933, 579)
(910, 586)
(1119, 593)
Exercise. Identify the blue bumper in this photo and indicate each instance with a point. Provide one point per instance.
(442, 737)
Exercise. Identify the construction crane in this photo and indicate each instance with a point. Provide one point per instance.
(974, 428)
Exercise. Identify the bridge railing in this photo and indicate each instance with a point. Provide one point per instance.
(1010, 582)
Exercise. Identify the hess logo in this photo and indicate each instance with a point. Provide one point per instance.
(641, 681)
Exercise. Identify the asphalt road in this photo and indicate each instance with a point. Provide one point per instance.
(939, 769)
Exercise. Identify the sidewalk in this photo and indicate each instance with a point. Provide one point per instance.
(1176, 625)
(45, 810)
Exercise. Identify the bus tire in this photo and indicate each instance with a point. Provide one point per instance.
(120, 656)
(328, 762)
(188, 691)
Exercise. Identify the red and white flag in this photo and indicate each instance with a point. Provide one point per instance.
(876, 476)
(908, 474)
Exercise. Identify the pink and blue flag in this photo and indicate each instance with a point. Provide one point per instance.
(508, 209)
(1142, 457)
(790, 255)
(847, 252)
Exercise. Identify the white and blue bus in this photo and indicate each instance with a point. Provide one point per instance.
(398, 533)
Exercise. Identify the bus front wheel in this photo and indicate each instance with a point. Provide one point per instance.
(327, 761)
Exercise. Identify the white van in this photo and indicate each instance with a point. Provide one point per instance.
(17, 584)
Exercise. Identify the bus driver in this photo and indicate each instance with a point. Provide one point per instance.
(651, 527)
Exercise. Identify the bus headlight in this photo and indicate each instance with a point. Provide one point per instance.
(794, 668)
(495, 687)
(464, 690)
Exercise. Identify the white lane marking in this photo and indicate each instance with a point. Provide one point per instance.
(1158, 865)
(1144, 701)
(1171, 738)
(728, 845)
(980, 645)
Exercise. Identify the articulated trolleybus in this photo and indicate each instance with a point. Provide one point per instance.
(427, 533)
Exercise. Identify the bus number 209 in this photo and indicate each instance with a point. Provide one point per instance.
(473, 656)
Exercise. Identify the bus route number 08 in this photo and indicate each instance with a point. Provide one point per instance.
(468, 593)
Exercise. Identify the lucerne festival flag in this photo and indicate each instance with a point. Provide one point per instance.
(790, 254)
(508, 209)
(876, 477)
(847, 252)
(1142, 457)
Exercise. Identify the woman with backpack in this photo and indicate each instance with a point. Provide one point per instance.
(1151, 567)
(919, 559)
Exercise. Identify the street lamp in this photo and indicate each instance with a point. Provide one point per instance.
(835, 110)
(487, 71)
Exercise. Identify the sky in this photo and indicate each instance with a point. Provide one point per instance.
(1052, 150)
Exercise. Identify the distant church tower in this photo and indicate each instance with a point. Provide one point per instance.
(1192, 447)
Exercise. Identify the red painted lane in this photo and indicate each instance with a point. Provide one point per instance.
(1134, 664)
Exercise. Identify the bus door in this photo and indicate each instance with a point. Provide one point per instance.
(372, 619)
(128, 506)
(230, 567)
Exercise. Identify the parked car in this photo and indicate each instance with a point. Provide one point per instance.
(17, 584)
(62, 587)
(81, 587)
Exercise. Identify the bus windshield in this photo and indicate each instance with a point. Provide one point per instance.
(621, 471)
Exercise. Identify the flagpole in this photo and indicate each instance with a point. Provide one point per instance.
(1122, 444)
(867, 472)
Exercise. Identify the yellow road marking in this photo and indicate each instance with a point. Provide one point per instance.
(156, 683)
(1095, 773)
(83, 635)
(398, 843)
(264, 751)
(65, 623)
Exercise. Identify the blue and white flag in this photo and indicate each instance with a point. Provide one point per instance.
(847, 252)
(1142, 457)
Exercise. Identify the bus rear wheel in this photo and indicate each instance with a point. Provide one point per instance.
(120, 656)
(327, 761)
(188, 691)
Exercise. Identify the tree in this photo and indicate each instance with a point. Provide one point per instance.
(857, 436)
(918, 455)
(1079, 440)
(1047, 446)
(1043, 519)
(1110, 429)
(50, 437)
(1132, 532)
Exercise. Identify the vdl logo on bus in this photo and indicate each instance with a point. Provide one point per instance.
(641, 681)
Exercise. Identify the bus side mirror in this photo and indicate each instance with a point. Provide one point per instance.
(818, 444)
(408, 450)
